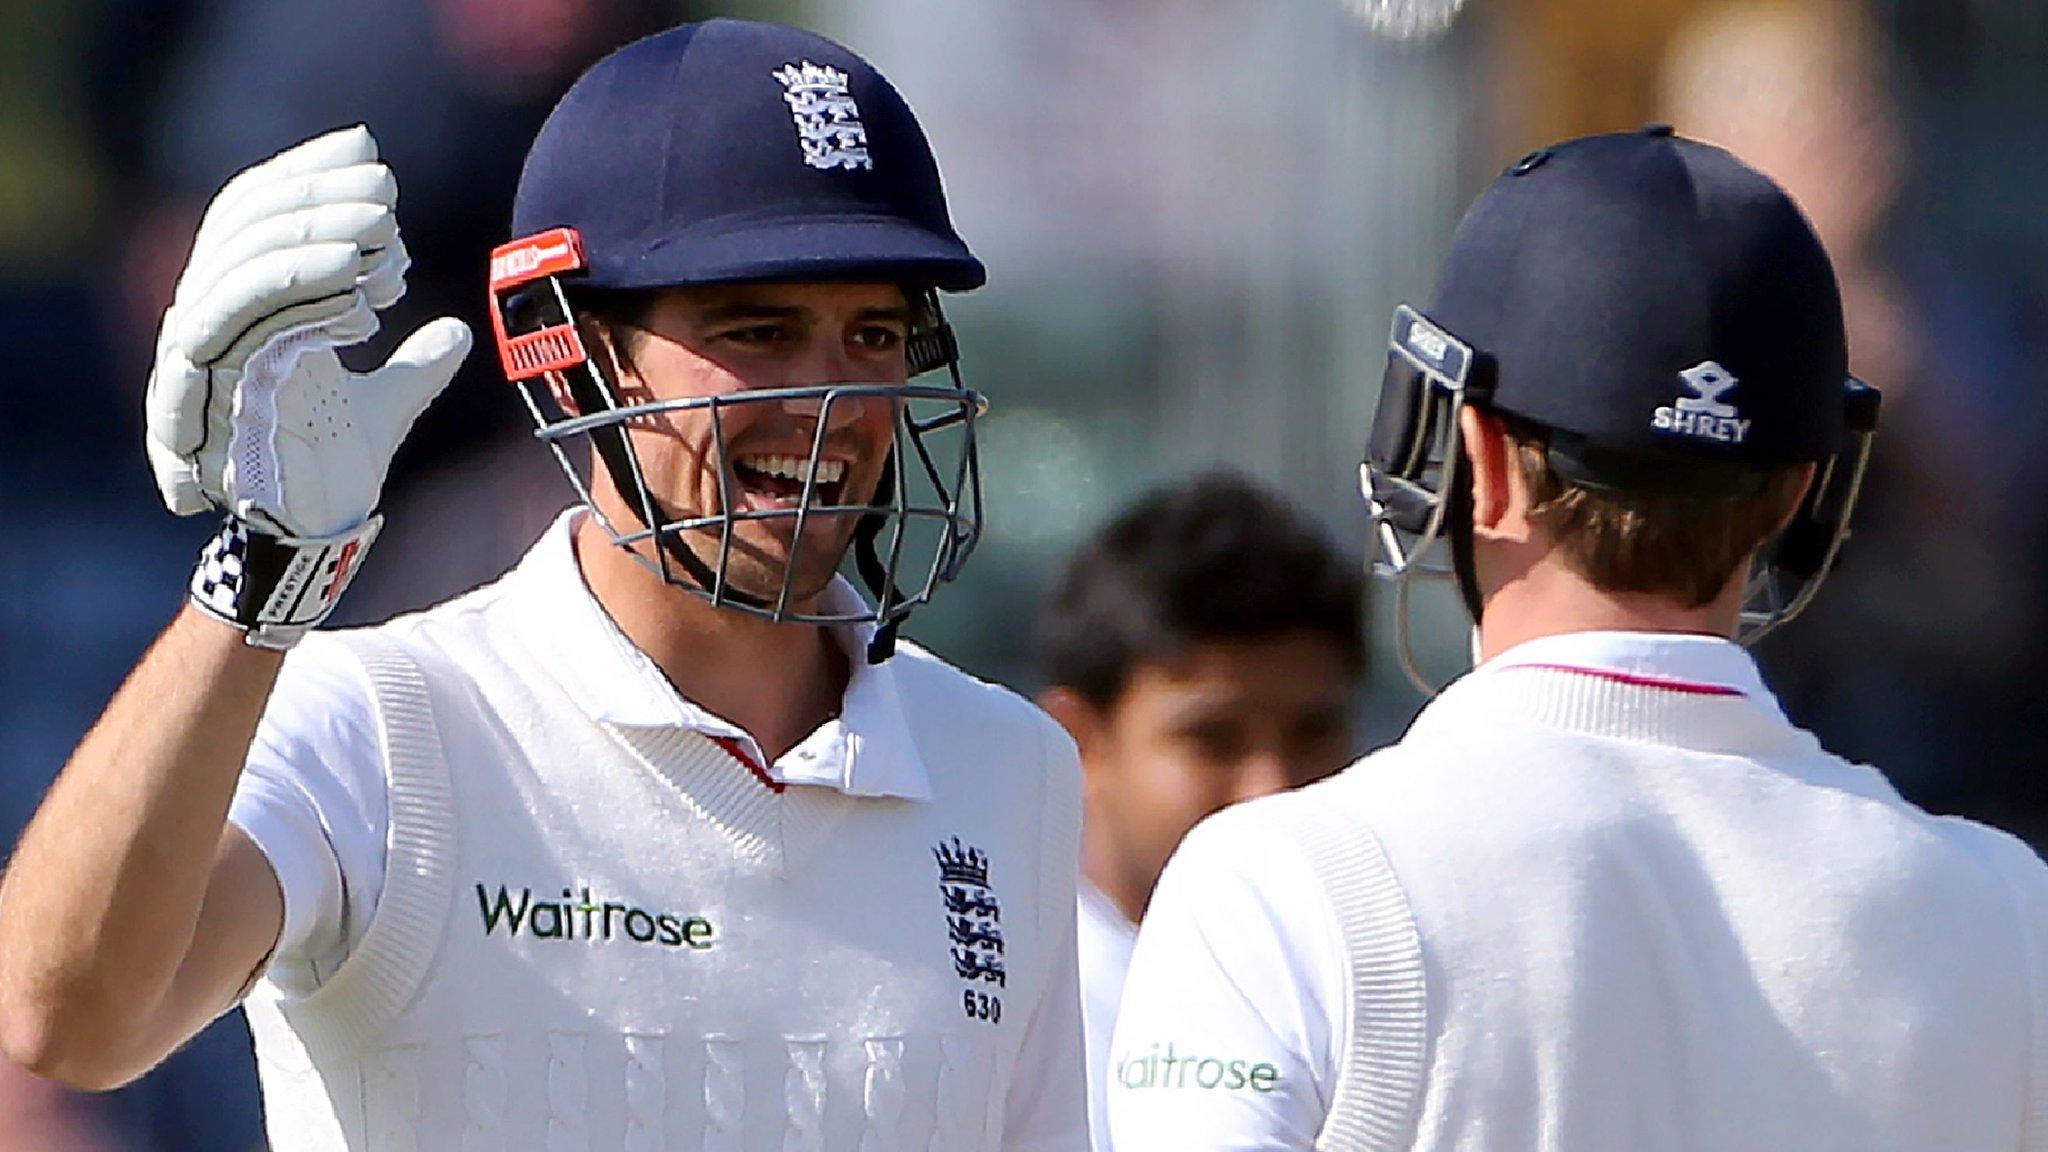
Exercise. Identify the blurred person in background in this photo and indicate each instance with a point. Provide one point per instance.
(1948, 562)
(1203, 647)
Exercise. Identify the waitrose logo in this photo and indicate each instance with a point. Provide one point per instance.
(1172, 1070)
(580, 916)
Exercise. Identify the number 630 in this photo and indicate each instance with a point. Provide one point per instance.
(982, 1006)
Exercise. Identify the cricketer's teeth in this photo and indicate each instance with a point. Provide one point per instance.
(797, 468)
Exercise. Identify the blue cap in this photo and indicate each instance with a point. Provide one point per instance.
(1650, 296)
(733, 150)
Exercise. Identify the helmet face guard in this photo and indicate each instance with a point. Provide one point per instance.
(1789, 571)
(1415, 490)
(1414, 465)
(914, 533)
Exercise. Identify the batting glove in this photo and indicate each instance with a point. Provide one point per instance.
(249, 408)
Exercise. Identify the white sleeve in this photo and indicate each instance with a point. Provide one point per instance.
(1047, 1106)
(1228, 1033)
(312, 798)
(1047, 1110)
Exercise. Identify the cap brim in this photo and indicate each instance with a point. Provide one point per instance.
(806, 248)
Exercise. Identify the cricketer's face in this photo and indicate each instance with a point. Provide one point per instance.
(1224, 722)
(727, 341)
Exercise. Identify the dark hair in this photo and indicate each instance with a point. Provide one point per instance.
(1213, 559)
(621, 314)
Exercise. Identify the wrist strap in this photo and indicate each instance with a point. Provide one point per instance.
(276, 588)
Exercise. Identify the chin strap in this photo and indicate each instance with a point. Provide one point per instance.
(890, 609)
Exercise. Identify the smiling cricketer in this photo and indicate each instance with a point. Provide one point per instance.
(662, 840)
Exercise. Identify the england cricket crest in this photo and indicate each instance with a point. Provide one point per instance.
(974, 927)
(828, 126)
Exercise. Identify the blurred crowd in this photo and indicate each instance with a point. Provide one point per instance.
(1197, 220)
(1921, 655)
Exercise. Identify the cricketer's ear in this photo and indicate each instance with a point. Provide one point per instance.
(1500, 496)
(1081, 718)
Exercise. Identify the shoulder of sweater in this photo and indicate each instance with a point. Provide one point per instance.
(940, 696)
(425, 629)
(932, 686)
(2015, 860)
(1253, 860)
(1357, 795)
(1263, 835)
(1408, 764)
(1443, 789)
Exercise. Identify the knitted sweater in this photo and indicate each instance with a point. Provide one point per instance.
(622, 933)
(1603, 895)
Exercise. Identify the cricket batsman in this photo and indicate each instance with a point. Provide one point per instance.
(661, 840)
(1603, 896)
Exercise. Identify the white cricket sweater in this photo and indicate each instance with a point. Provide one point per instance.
(600, 934)
(1602, 896)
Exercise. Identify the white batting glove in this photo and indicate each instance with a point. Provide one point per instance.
(249, 408)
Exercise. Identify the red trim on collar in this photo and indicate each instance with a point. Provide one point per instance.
(1638, 680)
(738, 751)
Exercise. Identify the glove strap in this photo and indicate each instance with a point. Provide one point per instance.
(276, 588)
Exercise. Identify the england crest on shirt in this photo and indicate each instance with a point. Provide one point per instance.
(973, 927)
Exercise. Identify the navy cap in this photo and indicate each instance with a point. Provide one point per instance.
(1655, 301)
(733, 150)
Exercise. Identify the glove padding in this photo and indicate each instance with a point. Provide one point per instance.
(249, 408)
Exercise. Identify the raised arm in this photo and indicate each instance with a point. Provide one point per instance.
(132, 912)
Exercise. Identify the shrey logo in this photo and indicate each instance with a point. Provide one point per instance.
(1703, 415)
(828, 123)
(972, 924)
(1430, 342)
(580, 916)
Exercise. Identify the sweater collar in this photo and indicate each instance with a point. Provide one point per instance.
(1702, 693)
(867, 750)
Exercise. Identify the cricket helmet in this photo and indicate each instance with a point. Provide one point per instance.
(1668, 321)
(734, 151)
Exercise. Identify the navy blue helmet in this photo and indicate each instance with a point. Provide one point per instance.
(1667, 319)
(735, 151)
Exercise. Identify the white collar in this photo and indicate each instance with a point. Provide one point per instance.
(1701, 693)
(1698, 692)
(868, 750)
(1683, 662)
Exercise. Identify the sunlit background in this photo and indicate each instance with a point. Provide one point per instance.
(1198, 215)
